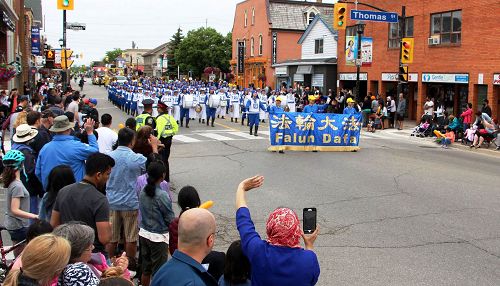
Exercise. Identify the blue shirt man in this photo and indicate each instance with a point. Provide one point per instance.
(314, 108)
(65, 149)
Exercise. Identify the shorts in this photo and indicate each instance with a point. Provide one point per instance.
(400, 117)
(153, 254)
(129, 221)
(18, 235)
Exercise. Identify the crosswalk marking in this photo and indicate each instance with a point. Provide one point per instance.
(245, 135)
(216, 136)
(185, 139)
(268, 133)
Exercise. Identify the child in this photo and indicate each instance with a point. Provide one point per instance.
(469, 134)
(449, 137)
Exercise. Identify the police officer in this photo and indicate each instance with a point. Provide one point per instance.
(166, 128)
(146, 117)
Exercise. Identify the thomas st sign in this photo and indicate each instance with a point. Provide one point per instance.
(362, 15)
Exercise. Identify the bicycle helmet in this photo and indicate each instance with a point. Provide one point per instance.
(13, 159)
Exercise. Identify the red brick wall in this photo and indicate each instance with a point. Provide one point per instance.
(477, 53)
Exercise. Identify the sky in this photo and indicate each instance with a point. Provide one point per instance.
(116, 23)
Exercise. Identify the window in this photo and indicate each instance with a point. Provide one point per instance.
(260, 45)
(310, 17)
(447, 26)
(251, 47)
(394, 41)
(253, 16)
(318, 46)
(246, 18)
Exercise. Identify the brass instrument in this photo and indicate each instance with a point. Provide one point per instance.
(198, 108)
(287, 108)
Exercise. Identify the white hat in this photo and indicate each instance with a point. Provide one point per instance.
(24, 133)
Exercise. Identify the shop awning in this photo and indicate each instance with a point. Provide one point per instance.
(304, 69)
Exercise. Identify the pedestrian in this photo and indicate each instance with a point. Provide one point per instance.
(196, 240)
(185, 102)
(73, 107)
(107, 136)
(86, 202)
(41, 269)
(254, 105)
(486, 108)
(120, 191)
(467, 116)
(166, 128)
(400, 111)
(237, 267)
(142, 143)
(44, 136)
(60, 177)
(285, 262)
(18, 198)
(22, 142)
(81, 83)
(65, 149)
(156, 214)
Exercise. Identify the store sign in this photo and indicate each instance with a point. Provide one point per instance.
(35, 41)
(445, 78)
(275, 48)
(8, 22)
(281, 71)
(352, 76)
(241, 57)
(387, 76)
(496, 79)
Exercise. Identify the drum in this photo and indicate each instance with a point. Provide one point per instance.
(223, 102)
(188, 100)
(198, 109)
(214, 101)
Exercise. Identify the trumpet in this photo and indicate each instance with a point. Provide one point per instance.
(287, 108)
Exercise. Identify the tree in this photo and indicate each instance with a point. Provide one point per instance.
(202, 48)
(173, 45)
(112, 55)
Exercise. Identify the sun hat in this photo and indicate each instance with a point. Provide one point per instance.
(61, 124)
(24, 133)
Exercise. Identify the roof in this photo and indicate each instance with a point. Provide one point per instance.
(289, 15)
(156, 50)
(301, 62)
(327, 21)
(36, 7)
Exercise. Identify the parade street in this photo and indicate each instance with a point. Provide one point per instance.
(401, 211)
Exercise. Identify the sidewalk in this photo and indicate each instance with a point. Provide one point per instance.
(408, 129)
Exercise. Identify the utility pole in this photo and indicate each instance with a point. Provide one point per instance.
(402, 31)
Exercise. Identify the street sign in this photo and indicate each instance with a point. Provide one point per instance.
(363, 15)
(76, 26)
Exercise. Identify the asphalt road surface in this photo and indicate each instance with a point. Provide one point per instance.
(401, 211)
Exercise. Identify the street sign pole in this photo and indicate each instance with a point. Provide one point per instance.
(65, 72)
(402, 31)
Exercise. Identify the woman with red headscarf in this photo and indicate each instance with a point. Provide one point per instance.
(280, 260)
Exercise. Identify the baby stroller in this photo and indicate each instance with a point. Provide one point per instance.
(422, 130)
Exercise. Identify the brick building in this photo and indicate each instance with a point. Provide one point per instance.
(455, 58)
(267, 32)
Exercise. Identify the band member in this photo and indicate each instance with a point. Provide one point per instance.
(146, 117)
(185, 102)
(254, 106)
(192, 109)
(245, 97)
(166, 128)
(177, 107)
(235, 105)
(128, 104)
(133, 105)
(263, 99)
(290, 100)
(212, 102)
(223, 103)
(140, 98)
(201, 99)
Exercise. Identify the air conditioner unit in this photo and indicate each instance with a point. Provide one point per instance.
(433, 41)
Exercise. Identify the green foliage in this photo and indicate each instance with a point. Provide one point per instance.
(204, 47)
(112, 55)
(173, 45)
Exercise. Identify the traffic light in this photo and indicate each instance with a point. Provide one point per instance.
(66, 62)
(340, 16)
(407, 51)
(49, 59)
(65, 4)
(403, 74)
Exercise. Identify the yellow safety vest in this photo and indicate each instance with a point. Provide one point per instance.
(166, 126)
(141, 120)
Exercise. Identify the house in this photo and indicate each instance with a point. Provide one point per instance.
(266, 32)
(154, 59)
(134, 58)
(317, 65)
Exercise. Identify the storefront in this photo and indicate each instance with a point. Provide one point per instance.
(389, 87)
(348, 81)
(321, 74)
(282, 78)
(496, 92)
(450, 89)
